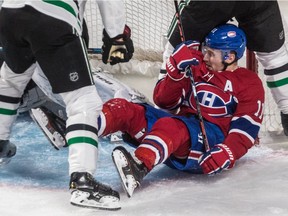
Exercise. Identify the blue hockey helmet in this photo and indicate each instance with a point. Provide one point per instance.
(227, 38)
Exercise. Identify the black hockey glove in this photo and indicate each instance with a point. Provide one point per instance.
(117, 49)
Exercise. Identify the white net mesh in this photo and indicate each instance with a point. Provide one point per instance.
(271, 121)
(143, 17)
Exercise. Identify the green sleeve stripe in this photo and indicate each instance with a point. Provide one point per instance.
(278, 83)
(87, 140)
(7, 111)
(63, 5)
(174, 21)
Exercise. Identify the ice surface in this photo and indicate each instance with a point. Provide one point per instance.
(36, 182)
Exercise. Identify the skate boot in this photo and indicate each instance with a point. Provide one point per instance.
(130, 169)
(87, 192)
(7, 150)
(52, 126)
(284, 121)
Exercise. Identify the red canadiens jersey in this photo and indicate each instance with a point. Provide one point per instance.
(232, 100)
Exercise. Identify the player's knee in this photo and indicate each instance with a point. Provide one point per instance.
(167, 124)
(274, 60)
(172, 128)
(83, 105)
(119, 108)
(120, 115)
(19, 80)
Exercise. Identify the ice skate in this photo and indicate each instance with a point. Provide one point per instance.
(87, 192)
(52, 126)
(130, 170)
(7, 151)
(284, 121)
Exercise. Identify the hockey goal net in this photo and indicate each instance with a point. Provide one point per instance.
(144, 18)
(149, 21)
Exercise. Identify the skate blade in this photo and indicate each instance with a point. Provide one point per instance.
(4, 161)
(80, 199)
(42, 121)
(128, 182)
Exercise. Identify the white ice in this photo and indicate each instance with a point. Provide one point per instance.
(35, 183)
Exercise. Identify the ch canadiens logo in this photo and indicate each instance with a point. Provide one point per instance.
(231, 34)
(74, 76)
(214, 100)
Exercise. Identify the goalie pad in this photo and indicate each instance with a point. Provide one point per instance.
(34, 97)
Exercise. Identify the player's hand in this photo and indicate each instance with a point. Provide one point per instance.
(219, 158)
(192, 45)
(184, 56)
(117, 49)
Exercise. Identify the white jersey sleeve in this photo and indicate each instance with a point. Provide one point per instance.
(67, 11)
(113, 16)
(112, 12)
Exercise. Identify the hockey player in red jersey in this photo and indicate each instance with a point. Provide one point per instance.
(231, 100)
(262, 23)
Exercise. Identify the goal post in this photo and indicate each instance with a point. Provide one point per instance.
(251, 62)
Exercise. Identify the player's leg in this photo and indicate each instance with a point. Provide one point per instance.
(167, 136)
(65, 63)
(176, 141)
(48, 115)
(199, 18)
(12, 86)
(16, 72)
(120, 115)
(270, 50)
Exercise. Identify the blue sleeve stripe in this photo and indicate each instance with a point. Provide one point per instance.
(245, 125)
(248, 118)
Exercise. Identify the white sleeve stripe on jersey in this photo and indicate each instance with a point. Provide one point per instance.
(249, 119)
(242, 133)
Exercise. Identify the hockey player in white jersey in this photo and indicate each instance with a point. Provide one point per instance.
(47, 34)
